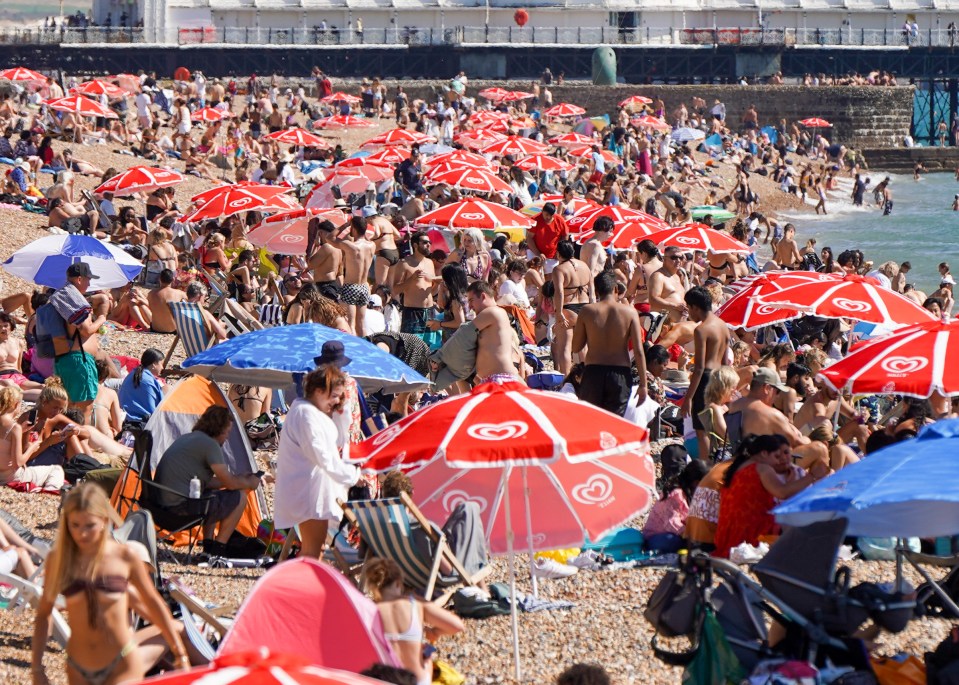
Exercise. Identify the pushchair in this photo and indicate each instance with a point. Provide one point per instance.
(800, 588)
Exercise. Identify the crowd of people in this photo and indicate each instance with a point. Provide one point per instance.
(629, 327)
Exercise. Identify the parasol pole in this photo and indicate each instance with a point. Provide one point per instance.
(529, 533)
(514, 621)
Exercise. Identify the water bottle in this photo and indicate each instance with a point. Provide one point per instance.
(194, 488)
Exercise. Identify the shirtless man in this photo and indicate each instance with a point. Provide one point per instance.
(357, 260)
(326, 260)
(759, 417)
(786, 253)
(11, 360)
(649, 263)
(607, 327)
(820, 408)
(572, 290)
(496, 339)
(159, 301)
(710, 344)
(666, 287)
(593, 253)
(196, 293)
(414, 280)
(384, 236)
(798, 386)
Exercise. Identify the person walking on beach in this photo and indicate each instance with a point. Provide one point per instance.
(858, 190)
(606, 328)
(710, 344)
(887, 199)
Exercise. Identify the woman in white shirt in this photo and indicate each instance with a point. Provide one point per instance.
(514, 287)
(310, 474)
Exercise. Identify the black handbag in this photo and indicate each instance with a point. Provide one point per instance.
(673, 607)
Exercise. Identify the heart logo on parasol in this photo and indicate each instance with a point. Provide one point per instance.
(497, 431)
(904, 365)
(597, 490)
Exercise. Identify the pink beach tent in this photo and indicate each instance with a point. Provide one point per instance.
(308, 608)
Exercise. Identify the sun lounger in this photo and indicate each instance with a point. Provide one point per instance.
(190, 330)
(386, 528)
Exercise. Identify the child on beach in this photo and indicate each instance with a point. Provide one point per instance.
(13, 459)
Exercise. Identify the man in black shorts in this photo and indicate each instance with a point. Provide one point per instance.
(605, 328)
(710, 344)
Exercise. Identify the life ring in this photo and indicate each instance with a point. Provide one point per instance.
(181, 74)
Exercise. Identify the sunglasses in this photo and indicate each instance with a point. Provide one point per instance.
(675, 257)
(425, 242)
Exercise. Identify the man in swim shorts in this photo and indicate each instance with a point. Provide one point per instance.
(710, 343)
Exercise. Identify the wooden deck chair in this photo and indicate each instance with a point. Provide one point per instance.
(385, 526)
(190, 330)
(105, 221)
(237, 320)
(195, 615)
(24, 593)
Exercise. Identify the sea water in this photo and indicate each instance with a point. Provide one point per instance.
(922, 229)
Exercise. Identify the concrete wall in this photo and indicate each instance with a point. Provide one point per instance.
(904, 159)
(861, 117)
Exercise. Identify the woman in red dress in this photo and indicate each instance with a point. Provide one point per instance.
(761, 474)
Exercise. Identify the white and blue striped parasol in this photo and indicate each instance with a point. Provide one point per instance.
(45, 261)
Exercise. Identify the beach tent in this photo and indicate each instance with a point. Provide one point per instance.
(175, 416)
(309, 608)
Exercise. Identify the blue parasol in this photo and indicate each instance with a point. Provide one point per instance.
(273, 357)
(908, 489)
(45, 261)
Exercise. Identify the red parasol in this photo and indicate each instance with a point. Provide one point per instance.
(96, 87)
(139, 179)
(476, 180)
(286, 233)
(299, 137)
(22, 74)
(342, 121)
(474, 213)
(515, 146)
(399, 136)
(743, 310)
(340, 96)
(698, 237)
(85, 107)
(636, 100)
(565, 109)
(542, 162)
(210, 115)
(233, 199)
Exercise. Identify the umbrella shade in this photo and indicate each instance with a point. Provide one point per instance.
(399, 136)
(342, 121)
(479, 138)
(543, 163)
(139, 179)
(210, 115)
(743, 310)
(497, 425)
(852, 297)
(77, 104)
(486, 115)
(636, 101)
(272, 356)
(22, 74)
(322, 194)
(299, 137)
(260, 667)
(586, 150)
(916, 361)
(623, 237)
(340, 96)
(96, 87)
(652, 122)
(515, 146)
(45, 261)
(577, 205)
(572, 138)
(718, 213)
(236, 198)
(908, 489)
(129, 82)
(583, 220)
(698, 237)
(516, 95)
(685, 134)
(493, 94)
(205, 195)
(815, 122)
(565, 109)
(474, 213)
(460, 158)
(476, 180)
(358, 166)
(389, 155)
(572, 502)
(287, 233)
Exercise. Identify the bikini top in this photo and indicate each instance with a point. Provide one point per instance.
(412, 634)
(101, 584)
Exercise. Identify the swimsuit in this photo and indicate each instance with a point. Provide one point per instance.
(110, 585)
(699, 400)
(356, 294)
(607, 386)
(390, 255)
(412, 634)
(499, 378)
(575, 307)
(100, 676)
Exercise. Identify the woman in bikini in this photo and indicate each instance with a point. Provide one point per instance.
(101, 581)
(161, 255)
(11, 360)
(472, 255)
(572, 290)
(250, 401)
(408, 623)
(213, 258)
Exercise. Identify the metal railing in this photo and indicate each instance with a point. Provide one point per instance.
(480, 35)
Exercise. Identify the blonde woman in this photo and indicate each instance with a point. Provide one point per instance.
(101, 582)
(212, 255)
(408, 623)
(161, 255)
(719, 392)
(472, 255)
(14, 455)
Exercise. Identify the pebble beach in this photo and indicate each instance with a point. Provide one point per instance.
(605, 627)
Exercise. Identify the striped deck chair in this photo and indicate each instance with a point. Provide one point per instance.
(190, 330)
(385, 526)
(19, 594)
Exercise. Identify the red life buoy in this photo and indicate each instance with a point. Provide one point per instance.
(181, 74)
(521, 17)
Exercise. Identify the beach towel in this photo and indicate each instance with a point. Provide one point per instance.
(457, 358)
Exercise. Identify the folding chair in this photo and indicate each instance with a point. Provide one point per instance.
(27, 593)
(932, 589)
(190, 330)
(195, 614)
(105, 220)
(386, 528)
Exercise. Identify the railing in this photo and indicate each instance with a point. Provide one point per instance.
(481, 35)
